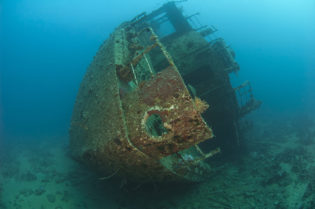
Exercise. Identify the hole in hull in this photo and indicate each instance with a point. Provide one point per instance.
(154, 125)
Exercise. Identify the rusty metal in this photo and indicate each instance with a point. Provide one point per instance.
(135, 116)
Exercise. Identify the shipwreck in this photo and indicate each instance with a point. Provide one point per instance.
(156, 102)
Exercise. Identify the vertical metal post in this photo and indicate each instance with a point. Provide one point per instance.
(134, 73)
(151, 71)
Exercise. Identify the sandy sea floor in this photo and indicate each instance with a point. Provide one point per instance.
(275, 170)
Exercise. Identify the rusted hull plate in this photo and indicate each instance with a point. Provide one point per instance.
(164, 95)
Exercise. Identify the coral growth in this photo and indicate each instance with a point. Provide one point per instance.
(201, 105)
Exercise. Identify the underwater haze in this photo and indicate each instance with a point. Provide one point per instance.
(45, 50)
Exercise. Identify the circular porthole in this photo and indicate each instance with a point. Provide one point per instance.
(154, 125)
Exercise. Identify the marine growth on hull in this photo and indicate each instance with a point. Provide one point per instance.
(157, 101)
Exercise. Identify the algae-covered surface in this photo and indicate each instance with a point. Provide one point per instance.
(274, 169)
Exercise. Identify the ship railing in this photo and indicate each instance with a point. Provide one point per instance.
(246, 100)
